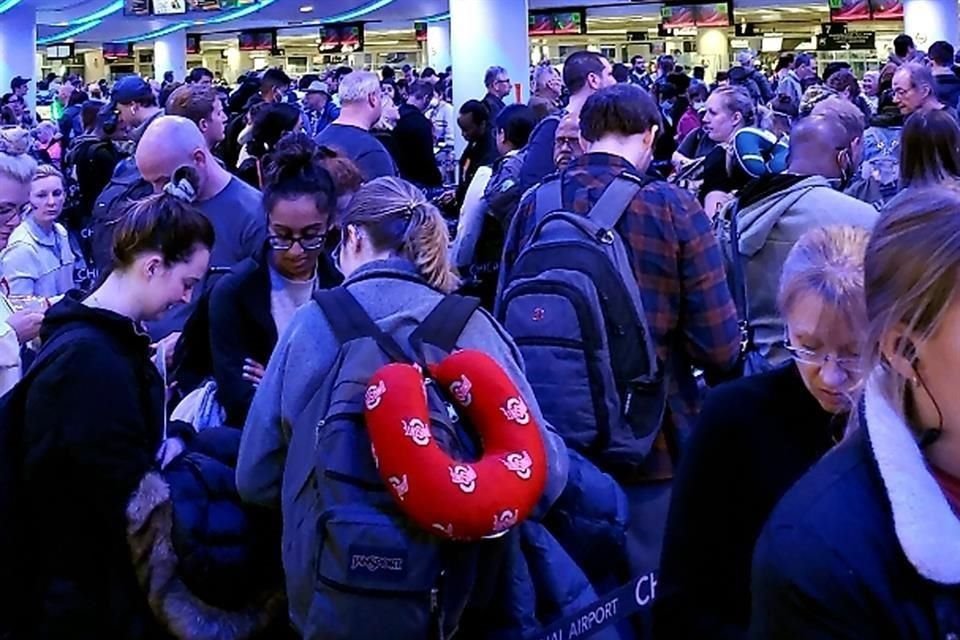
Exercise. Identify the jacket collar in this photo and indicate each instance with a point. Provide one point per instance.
(395, 267)
(926, 526)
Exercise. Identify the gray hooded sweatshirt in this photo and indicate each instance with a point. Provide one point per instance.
(768, 230)
(306, 352)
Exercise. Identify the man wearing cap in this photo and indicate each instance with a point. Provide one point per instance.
(135, 105)
(19, 86)
(318, 108)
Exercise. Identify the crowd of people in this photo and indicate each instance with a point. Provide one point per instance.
(277, 363)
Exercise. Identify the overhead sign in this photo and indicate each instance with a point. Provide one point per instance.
(853, 40)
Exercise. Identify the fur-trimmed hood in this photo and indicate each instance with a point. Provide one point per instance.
(926, 527)
(149, 532)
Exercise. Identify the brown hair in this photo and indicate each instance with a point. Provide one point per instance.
(192, 101)
(166, 223)
(929, 149)
(397, 217)
(844, 80)
(911, 277)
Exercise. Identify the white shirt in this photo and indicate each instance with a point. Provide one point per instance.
(471, 219)
(286, 296)
(37, 262)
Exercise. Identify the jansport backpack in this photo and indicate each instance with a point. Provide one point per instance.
(356, 567)
(572, 303)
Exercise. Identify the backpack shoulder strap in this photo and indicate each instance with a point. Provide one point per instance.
(443, 326)
(350, 321)
(549, 197)
(613, 202)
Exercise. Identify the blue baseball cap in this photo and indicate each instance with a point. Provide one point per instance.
(130, 89)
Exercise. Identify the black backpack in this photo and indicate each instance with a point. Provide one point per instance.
(125, 187)
(572, 303)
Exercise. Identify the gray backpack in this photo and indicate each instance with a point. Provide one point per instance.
(572, 303)
(355, 566)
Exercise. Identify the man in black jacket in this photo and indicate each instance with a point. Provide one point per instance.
(497, 81)
(413, 137)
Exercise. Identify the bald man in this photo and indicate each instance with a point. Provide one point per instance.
(233, 207)
(775, 210)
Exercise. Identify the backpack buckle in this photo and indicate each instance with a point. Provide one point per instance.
(606, 236)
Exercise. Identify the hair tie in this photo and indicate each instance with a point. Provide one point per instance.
(181, 190)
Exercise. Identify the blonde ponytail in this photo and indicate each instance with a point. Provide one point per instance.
(397, 217)
(425, 244)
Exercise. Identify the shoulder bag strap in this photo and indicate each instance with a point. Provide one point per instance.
(350, 321)
(443, 326)
(739, 280)
(613, 202)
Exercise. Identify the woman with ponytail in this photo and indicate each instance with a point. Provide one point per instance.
(251, 306)
(93, 419)
(393, 254)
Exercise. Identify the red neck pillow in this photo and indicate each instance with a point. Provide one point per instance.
(455, 499)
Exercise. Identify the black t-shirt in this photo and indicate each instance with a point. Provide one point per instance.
(697, 144)
(717, 178)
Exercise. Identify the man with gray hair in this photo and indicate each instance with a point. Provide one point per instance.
(498, 85)
(915, 89)
(360, 109)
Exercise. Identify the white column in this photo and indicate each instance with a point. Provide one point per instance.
(485, 33)
(170, 54)
(438, 45)
(928, 21)
(713, 51)
(18, 46)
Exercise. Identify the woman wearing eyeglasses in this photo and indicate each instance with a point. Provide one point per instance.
(17, 328)
(867, 544)
(251, 306)
(756, 436)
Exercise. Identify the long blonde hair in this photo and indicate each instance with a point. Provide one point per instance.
(911, 278)
(397, 217)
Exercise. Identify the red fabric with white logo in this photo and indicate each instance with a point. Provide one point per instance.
(457, 500)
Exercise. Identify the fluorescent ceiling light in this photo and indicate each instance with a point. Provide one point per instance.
(307, 8)
(6, 5)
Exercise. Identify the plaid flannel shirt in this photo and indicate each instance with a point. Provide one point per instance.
(679, 268)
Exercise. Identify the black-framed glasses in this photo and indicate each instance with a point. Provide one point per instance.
(8, 210)
(851, 365)
(311, 242)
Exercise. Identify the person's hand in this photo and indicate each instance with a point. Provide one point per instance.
(447, 198)
(715, 202)
(169, 345)
(26, 324)
(169, 450)
(253, 371)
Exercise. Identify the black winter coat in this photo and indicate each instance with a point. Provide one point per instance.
(864, 546)
(241, 326)
(413, 148)
(94, 422)
(210, 563)
(755, 437)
